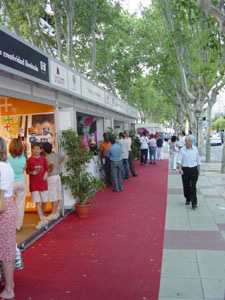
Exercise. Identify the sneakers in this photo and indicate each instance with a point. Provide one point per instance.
(53, 217)
(42, 224)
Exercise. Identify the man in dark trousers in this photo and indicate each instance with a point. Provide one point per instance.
(188, 165)
(130, 158)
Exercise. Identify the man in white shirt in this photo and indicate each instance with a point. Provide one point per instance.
(188, 165)
(125, 154)
(130, 158)
(144, 148)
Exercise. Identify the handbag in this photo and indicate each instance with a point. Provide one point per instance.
(19, 260)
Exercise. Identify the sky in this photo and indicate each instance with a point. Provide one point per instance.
(133, 6)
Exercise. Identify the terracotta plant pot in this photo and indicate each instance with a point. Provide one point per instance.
(82, 210)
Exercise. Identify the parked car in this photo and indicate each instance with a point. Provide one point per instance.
(215, 140)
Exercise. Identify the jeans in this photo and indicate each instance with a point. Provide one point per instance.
(126, 169)
(152, 154)
(189, 179)
(144, 156)
(117, 175)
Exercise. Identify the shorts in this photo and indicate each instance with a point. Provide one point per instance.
(39, 196)
(54, 188)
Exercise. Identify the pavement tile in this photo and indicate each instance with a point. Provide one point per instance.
(181, 239)
(223, 234)
(180, 268)
(199, 221)
(211, 264)
(181, 288)
(174, 210)
(166, 298)
(175, 190)
(209, 192)
(201, 211)
(175, 198)
(219, 219)
(221, 226)
(214, 288)
(177, 222)
(172, 254)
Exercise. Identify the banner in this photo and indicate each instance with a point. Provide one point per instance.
(17, 55)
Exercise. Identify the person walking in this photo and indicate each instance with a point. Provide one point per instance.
(159, 143)
(144, 148)
(173, 152)
(130, 157)
(194, 140)
(152, 149)
(17, 161)
(115, 156)
(188, 165)
(125, 155)
(105, 161)
(181, 141)
(7, 223)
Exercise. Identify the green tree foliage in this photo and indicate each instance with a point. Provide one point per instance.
(219, 123)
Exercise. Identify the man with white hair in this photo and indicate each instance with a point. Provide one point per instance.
(188, 165)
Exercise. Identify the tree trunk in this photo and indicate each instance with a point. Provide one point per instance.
(93, 37)
(208, 146)
(58, 31)
(69, 9)
(223, 160)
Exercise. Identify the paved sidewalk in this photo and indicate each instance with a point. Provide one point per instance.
(194, 246)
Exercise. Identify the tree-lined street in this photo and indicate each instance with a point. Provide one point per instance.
(112, 157)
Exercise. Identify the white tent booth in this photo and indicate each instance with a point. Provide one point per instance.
(40, 97)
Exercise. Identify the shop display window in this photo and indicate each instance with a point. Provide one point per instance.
(32, 122)
(87, 128)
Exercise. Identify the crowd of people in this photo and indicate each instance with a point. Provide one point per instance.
(150, 146)
(117, 156)
(117, 160)
(43, 167)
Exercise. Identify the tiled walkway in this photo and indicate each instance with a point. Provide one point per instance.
(194, 246)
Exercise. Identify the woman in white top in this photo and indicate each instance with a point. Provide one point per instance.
(152, 149)
(174, 149)
(144, 148)
(7, 222)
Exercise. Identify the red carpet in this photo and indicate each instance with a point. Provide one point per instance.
(113, 255)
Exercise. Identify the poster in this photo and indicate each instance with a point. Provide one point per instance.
(87, 127)
(42, 129)
(9, 126)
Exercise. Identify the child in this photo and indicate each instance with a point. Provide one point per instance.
(54, 181)
(37, 168)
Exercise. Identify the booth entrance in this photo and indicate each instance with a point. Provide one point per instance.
(32, 122)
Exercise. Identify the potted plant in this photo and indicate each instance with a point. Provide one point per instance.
(86, 188)
(81, 184)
